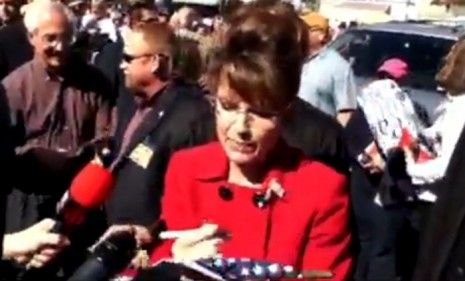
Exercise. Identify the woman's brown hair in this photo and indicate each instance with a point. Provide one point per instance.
(452, 74)
(261, 59)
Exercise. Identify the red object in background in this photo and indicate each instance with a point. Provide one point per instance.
(407, 141)
(423, 156)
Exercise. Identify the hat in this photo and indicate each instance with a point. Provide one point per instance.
(315, 20)
(74, 3)
(395, 67)
(98, 2)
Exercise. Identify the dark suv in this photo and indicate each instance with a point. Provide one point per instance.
(422, 44)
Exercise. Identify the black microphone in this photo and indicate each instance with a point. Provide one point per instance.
(108, 258)
(113, 254)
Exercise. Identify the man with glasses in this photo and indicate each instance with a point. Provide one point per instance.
(156, 117)
(59, 109)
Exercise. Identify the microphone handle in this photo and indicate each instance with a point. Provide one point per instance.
(58, 227)
(92, 270)
(69, 217)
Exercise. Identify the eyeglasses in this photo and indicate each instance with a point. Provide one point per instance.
(129, 58)
(316, 29)
(54, 40)
(233, 109)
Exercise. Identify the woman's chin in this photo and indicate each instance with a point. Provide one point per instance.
(241, 158)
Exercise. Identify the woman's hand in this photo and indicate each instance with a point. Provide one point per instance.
(35, 245)
(197, 244)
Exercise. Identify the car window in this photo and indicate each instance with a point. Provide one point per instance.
(366, 50)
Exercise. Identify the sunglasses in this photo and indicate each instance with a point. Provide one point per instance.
(129, 58)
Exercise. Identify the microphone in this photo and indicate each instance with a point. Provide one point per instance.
(89, 190)
(108, 258)
(112, 255)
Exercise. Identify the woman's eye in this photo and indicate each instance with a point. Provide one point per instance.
(228, 105)
(263, 114)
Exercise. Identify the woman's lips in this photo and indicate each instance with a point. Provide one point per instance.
(243, 147)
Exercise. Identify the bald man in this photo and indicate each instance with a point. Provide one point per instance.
(157, 117)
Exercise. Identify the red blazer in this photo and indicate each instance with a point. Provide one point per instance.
(307, 228)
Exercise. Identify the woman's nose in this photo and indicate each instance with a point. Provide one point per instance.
(245, 135)
(243, 127)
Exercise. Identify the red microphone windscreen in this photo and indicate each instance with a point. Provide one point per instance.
(91, 186)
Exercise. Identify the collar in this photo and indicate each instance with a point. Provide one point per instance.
(215, 167)
(147, 102)
(318, 54)
(459, 96)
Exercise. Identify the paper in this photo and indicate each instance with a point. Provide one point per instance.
(141, 155)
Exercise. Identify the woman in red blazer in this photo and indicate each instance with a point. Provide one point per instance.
(277, 205)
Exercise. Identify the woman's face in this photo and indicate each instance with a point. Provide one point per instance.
(246, 134)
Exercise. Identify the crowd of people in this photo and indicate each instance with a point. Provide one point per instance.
(239, 120)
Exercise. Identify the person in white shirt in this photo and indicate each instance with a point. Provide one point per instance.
(99, 20)
(448, 125)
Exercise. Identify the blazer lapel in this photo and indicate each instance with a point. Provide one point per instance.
(126, 108)
(153, 118)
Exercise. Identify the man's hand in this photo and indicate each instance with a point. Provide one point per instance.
(373, 161)
(375, 164)
(35, 245)
(141, 233)
(142, 236)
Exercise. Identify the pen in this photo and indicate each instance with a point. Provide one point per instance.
(175, 234)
